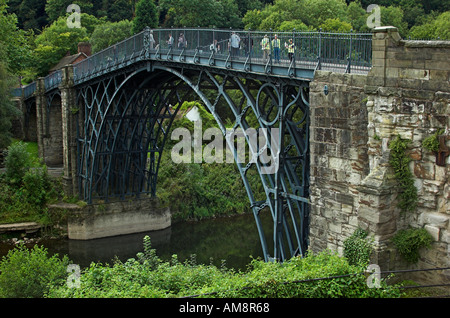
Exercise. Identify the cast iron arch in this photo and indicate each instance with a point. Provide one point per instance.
(126, 122)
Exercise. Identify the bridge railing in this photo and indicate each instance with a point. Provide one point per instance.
(339, 52)
(53, 80)
(50, 82)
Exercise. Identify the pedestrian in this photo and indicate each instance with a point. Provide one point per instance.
(276, 48)
(290, 47)
(182, 43)
(170, 41)
(214, 46)
(265, 46)
(152, 40)
(235, 41)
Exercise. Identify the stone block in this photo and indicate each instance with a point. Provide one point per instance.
(424, 170)
(434, 231)
(437, 65)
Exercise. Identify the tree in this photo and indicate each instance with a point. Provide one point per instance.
(336, 25)
(15, 44)
(120, 10)
(58, 8)
(7, 109)
(393, 16)
(274, 15)
(55, 42)
(146, 15)
(203, 13)
(437, 28)
(317, 12)
(357, 16)
(108, 33)
(32, 14)
(298, 25)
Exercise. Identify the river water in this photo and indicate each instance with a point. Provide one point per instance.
(232, 239)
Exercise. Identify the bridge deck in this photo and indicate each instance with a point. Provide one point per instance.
(336, 52)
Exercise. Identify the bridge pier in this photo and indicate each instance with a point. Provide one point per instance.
(353, 122)
(49, 125)
(116, 218)
(69, 111)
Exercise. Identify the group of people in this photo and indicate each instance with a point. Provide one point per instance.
(235, 44)
(266, 46)
(276, 46)
(182, 42)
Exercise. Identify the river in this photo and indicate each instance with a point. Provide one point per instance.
(232, 239)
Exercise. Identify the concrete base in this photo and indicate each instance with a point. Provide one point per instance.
(117, 218)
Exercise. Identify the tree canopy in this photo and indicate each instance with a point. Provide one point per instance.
(35, 36)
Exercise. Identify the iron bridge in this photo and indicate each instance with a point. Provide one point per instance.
(129, 95)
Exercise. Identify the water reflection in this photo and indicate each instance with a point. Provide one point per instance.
(233, 239)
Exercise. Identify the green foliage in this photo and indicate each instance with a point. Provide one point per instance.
(120, 10)
(146, 15)
(336, 25)
(109, 33)
(393, 16)
(174, 279)
(408, 242)
(203, 13)
(17, 162)
(58, 8)
(357, 248)
(54, 42)
(399, 161)
(7, 109)
(15, 46)
(27, 273)
(431, 143)
(432, 28)
(200, 190)
(25, 187)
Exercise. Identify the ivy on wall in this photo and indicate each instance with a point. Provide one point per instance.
(399, 161)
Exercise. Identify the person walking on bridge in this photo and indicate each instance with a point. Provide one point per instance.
(234, 43)
(182, 43)
(265, 46)
(170, 41)
(276, 49)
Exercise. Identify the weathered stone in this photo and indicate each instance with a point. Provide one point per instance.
(117, 218)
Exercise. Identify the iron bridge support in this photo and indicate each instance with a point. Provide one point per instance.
(125, 118)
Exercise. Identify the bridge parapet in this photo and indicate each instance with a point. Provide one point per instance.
(255, 52)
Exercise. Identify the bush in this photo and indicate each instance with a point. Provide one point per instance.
(408, 242)
(315, 276)
(357, 248)
(17, 162)
(37, 186)
(26, 273)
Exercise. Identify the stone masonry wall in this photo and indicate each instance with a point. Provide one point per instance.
(352, 184)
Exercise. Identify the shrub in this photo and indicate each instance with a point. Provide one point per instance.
(314, 276)
(17, 162)
(37, 186)
(27, 273)
(408, 242)
(357, 248)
